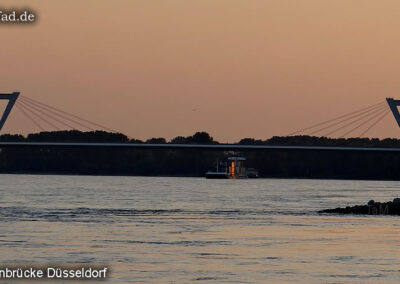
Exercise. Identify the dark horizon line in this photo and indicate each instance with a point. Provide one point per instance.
(256, 140)
(169, 146)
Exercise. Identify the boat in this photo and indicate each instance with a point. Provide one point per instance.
(233, 168)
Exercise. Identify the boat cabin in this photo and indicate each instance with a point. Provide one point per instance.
(232, 168)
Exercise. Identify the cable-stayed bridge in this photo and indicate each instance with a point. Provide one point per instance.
(356, 123)
(46, 118)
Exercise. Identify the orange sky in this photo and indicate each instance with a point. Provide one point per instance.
(234, 68)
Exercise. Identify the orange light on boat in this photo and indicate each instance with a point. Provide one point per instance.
(233, 165)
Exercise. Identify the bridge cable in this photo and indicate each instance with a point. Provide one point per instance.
(37, 115)
(375, 123)
(70, 114)
(29, 117)
(48, 115)
(352, 122)
(373, 110)
(363, 123)
(57, 114)
(360, 118)
(336, 118)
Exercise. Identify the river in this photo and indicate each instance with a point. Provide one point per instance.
(180, 230)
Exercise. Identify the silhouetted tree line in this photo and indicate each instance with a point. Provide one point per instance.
(280, 164)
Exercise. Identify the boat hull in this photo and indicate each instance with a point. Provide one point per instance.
(217, 175)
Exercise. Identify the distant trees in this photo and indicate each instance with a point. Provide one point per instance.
(251, 141)
(156, 141)
(179, 140)
(197, 138)
(77, 136)
(12, 138)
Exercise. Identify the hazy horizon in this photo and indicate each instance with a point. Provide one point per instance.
(234, 69)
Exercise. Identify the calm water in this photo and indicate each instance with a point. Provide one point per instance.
(181, 230)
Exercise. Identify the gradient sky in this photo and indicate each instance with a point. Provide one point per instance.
(233, 68)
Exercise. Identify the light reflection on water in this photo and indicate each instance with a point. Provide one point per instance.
(192, 229)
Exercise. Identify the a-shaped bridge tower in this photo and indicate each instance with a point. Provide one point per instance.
(12, 98)
(393, 104)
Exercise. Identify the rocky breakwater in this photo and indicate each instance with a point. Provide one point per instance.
(371, 208)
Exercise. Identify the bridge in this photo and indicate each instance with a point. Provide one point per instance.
(208, 147)
(40, 114)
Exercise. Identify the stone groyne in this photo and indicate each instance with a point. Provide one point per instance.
(371, 208)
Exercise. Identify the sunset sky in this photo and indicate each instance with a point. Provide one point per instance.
(233, 68)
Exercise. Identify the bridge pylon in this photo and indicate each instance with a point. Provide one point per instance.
(12, 98)
(393, 104)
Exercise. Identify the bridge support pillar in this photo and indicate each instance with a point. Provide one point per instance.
(12, 98)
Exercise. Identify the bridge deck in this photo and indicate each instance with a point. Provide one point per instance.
(212, 147)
